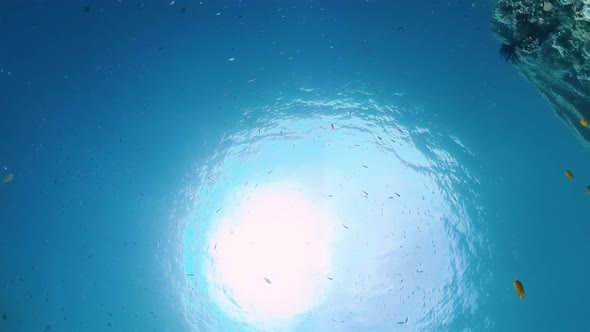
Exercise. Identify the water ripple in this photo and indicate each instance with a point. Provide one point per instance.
(382, 188)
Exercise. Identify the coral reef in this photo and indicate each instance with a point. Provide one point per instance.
(549, 43)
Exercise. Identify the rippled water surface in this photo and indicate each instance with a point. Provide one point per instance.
(319, 211)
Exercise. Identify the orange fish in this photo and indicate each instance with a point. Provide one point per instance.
(7, 178)
(569, 174)
(519, 288)
(584, 122)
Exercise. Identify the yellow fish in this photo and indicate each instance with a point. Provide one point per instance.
(584, 122)
(569, 174)
(7, 178)
(519, 288)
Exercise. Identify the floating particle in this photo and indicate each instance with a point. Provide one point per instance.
(267, 281)
(569, 174)
(251, 80)
(584, 122)
(172, 2)
(231, 59)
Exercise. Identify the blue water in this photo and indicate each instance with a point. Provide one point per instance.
(281, 166)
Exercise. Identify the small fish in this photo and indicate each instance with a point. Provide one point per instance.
(588, 190)
(8, 178)
(333, 195)
(403, 321)
(215, 247)
(269, 172)
(379, 137)
(332, 126)
(329, 278)
(267, 281)
(569, 174)
(251, 80)
(519, 288)
(584, 122)
(397, 194)
(365, 193)
(365, 166)
(344, 226)
(547, 6)
(190, 274)
(218, 210)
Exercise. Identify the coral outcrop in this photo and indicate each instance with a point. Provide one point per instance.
(549, 43)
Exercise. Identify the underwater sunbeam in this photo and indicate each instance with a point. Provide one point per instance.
(271, 256)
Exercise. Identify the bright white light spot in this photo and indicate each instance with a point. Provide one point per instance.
(273, 255)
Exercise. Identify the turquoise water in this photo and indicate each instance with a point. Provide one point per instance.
(281, 166)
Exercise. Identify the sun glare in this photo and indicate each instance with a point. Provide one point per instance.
(272, 255)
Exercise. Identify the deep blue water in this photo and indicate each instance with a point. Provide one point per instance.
(281, 165)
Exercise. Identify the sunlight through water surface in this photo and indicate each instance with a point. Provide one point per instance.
(325, 214)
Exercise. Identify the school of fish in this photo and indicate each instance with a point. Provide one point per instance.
(518, 286)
